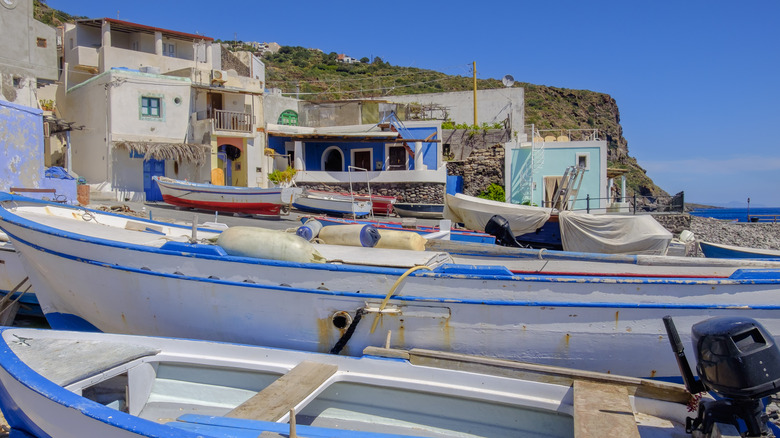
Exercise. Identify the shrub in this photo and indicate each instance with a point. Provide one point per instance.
(494, 192)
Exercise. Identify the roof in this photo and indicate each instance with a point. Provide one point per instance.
(350, 132)
(192, 152)
(126, 26)
(613, 172)
(345, 133)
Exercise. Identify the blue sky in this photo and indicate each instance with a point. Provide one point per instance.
(697, 82)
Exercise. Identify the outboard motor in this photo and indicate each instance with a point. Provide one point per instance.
(499, 227)
(737, 359)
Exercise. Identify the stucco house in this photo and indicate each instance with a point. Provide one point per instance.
(29, 53)
(157, 102)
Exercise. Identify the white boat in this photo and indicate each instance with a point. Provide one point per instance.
(331, 203)
(74, 384)
(475, 213)
(90, 275)
(248, 200)
(580, 232)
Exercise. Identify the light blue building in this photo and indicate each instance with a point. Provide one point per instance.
(535, 170)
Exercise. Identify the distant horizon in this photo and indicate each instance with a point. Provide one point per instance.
(732, 204)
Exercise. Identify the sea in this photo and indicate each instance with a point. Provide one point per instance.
(740, 214)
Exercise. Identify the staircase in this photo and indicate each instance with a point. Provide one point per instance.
(523, 183)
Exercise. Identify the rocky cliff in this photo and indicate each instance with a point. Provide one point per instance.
(562, 108)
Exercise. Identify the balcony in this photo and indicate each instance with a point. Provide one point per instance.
(231, 121)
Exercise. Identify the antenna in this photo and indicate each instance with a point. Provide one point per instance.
(508, 81)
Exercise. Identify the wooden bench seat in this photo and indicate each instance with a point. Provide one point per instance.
(276, 400)
(54, 196)
(602, 410)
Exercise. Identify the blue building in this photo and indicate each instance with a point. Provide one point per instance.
(537, 169)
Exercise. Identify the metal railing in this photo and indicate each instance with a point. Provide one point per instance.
(636, 203)
(232, 121)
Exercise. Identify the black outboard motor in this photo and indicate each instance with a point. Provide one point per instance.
(499, 227)
(737, 359)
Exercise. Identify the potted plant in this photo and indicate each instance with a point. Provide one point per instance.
(282, 178)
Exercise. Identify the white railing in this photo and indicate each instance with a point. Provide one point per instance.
(231, 121)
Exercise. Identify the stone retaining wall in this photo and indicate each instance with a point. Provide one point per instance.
(484, 166)
(426, 193)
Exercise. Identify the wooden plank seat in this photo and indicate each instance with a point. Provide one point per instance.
(30, 190)
(602, 410)
(276, 400)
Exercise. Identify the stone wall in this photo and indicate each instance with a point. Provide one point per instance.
(483, 167)
(232, 62)
(675, 223)
(424, 193)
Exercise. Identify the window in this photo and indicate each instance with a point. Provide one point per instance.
(41, 42)
(169, 50)
(397, 158)
(150, 107)
(583, 160)
(288, 117)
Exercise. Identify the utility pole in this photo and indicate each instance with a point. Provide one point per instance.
(474, 68)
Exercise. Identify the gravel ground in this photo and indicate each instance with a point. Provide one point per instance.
(753, 235)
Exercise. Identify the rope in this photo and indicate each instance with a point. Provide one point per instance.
(5, 301)
(392, 289)
(348, 333)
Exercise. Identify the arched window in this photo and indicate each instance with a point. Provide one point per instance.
(333, 160)
(288, 117)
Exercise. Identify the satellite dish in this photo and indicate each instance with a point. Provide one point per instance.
(508, 80)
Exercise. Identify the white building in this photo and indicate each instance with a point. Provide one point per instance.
(156, 102)
(29, 55)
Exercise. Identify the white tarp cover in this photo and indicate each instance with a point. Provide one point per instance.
(474, 213)
(613, 234)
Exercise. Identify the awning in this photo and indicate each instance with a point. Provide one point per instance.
(192, 152)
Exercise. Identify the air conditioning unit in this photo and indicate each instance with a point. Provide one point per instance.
(219, 76)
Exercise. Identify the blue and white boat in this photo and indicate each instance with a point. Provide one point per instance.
(717, 250)
(75, 384)
(331, 203)
(268, 289)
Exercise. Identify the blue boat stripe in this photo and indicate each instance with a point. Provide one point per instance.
(410, 298)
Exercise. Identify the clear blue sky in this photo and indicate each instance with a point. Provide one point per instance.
(697, 82)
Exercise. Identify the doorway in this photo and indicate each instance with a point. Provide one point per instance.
(152, 168)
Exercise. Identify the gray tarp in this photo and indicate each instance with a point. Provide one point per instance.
(613, 234)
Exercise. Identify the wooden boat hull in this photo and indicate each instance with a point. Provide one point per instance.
(422, 211)
(715, 250)
(129, 386)
(598, 322)
(380, 204)
(246, 200)
(331, 203)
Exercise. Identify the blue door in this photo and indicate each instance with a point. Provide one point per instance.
(152, 168)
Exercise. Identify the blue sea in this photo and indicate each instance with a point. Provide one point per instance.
(739, 214)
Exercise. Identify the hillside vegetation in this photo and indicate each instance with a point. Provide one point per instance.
(315, 75)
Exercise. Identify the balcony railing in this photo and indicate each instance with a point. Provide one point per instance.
(232, 121)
